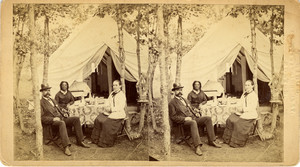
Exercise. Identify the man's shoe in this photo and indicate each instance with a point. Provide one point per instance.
(82, 144)
(215, 144)
(67, 151)
(198, 151)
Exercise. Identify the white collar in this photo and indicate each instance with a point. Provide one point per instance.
(179, 98)
(64, 92)
(49, 99)
(116, 92)
(197, 92)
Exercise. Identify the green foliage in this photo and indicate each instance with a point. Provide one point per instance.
(59, 30)
(265, 15)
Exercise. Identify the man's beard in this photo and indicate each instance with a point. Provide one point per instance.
(47, 95)
(179, 94)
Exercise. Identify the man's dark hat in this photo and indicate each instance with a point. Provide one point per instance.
(176, 86)
(44, 87)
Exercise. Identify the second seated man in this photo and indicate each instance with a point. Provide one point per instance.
(181, 112)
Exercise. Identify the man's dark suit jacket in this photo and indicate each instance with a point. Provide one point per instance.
(48, 112)
(178, 111)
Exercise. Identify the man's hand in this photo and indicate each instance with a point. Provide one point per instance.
(56, 119)
(240, 109)
(188, 118)
(68, 106)
(107, 109)
(197, 115)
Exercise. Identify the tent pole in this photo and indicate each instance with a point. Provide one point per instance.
(244, 70)
(109, 73)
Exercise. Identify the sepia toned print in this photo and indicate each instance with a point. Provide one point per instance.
(186, 83)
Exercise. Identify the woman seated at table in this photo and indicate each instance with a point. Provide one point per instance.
(239, 124)
(107, 124)
(197, 96)
(64, 97)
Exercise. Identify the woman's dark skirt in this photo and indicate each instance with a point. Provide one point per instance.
(237, 130)
(105, 130)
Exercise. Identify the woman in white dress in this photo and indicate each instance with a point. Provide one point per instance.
(107, 124)
(239, 124)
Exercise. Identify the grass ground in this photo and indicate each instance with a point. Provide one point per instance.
(24, 147)
(135, 150)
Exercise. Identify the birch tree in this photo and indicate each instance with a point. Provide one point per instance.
(35, 90)
(20, 49)
(274, 28)
(179, 49)
(252, 16)
(267, 27)
(121, 46)
(164, 94)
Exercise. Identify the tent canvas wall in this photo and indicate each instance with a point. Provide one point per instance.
(100, 81)
(217, 50)
(86, 46)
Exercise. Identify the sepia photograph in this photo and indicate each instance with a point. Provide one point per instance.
(144, 82)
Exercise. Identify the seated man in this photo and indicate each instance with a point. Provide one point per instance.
(52, 115)
(108, 123)
(181, 113)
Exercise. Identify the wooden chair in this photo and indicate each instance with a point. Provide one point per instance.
(50, 135)
(180, 134)
(252, 133)
(123, 130)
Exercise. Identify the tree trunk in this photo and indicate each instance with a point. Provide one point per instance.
(179, 49)
(18, 60)
(254, 55)
(274, 106)
(152, 75)
(275, 111)
(271, 42)
(138, 52)
(164, 94)
(142, 105)
(254, 49)
(168, 58)
(121, 46)
(142, 116)
(35, 85)
(18, 65)
(18, 68)
(46, 49)
(276, 91)
(122, 55)
(149, 76)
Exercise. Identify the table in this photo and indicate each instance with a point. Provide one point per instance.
(86, 113)
(218, 113)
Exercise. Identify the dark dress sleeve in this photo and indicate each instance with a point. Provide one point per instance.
(190, 101)
(204, 99)
(72, 98)
(189, 97)
(57, 97)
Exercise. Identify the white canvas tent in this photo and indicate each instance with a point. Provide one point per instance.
(213, 55)
(86, 45)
